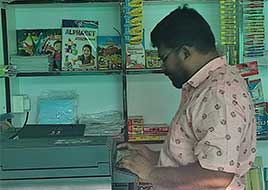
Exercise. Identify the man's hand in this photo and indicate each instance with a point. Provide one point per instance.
(139, 160)
(137, 164)
(144, 151)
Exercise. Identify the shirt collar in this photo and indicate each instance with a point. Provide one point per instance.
(205, 71)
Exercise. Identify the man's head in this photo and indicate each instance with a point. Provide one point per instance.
(185, 43)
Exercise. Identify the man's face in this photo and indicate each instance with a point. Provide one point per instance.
(174, 65)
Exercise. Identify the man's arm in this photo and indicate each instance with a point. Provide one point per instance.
(191, 176)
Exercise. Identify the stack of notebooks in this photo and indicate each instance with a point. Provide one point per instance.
(30, 63)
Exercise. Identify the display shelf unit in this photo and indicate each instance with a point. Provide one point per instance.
(135, 92)
(67, 73)
(98, 90)
(55, 1)
(80, 73)
(140, 90)
(138, 87)
(144, 71)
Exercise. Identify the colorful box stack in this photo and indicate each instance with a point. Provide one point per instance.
(253, 12)
(138, 131)
(249, 70)
(133, 34)
(229, 30)
(255, 89)
(262, 120)
(135, 125)
(133, 17)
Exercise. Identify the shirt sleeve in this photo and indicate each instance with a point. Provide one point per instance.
(223, 123)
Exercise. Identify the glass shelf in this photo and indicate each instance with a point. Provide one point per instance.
(145, 71)
(180, 1)
(81, 73)
(148, 142)
(90, 1)
(262, 138)
(68, 73)
(54, 1)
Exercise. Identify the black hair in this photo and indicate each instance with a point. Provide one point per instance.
(184, 26)
(88, 46)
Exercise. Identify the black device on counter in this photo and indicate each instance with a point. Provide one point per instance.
(50, 130)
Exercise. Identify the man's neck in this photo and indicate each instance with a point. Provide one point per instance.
(204, 59)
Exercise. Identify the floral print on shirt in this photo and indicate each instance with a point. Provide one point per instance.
(215, 124)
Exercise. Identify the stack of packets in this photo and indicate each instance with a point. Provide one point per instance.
(254, 176)
(262, 120)
(253, 12)
(256, 91)
(30, 63)
(138, 131)
(229, 29)
(135, 125)
(248, 69)
(57, 107)
(133, 33)
(106, 123)
(133, 16)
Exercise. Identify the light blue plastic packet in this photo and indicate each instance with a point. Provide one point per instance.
(6, 116)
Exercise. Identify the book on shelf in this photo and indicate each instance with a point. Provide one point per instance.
(36, 42)
(109, 53)
(79, 45)
(135, 56)
(152, 60)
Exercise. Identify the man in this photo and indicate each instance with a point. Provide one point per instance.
(212, 139)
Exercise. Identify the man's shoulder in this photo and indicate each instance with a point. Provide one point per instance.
(227, 77)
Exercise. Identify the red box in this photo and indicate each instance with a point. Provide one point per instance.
(248, 69)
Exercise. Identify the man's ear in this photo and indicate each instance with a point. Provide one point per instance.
(185, 52)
